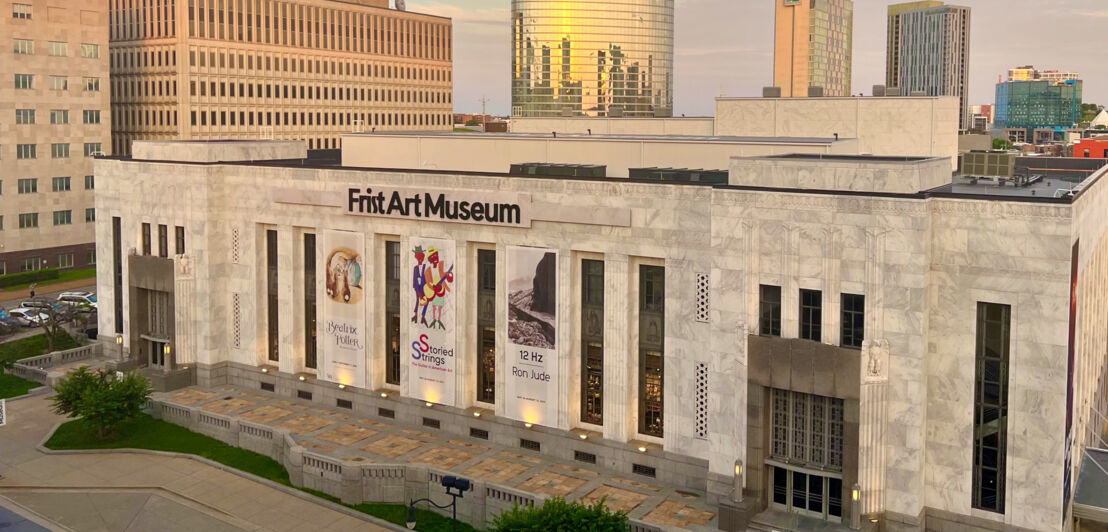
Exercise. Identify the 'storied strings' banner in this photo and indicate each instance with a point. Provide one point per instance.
(532, 377)
(343, 329)
(431, 333)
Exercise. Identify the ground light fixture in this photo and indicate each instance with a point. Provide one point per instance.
(342, 386)
(302, 379)
(384, 395)
(737, 489)
(856, 507)
(455, 487)
(428, 404)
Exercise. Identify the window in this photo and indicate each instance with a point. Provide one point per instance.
(179, 233)
(59, 151)
(90, 51)
(807, 429)
(92, 149)
(24, 46)
(652, 291)
(853, 320)
(592, 341)
(271, 294)
(59, 83)
(65, 260)
(163, 240)
(1, 229)
(90, 182)
(63, 217)
(92, 84)
(90, 258)
(21, 11)
(24, 116)
(24, 81)
(310, 330)
(769, 310)
(90, 215)
(58, 49)
(28, 186)
(31, 264)
(811, 304)
(60, 184)
(486, 325)
(92, 116)
(59, 116)
(25, 151)
(990, 406)
(28, 220)
(392, 312)
(117, 272)
(145, 239)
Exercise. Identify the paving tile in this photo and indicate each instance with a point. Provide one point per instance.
(393, 446)
(346, 434)
(677, 513)
(227, 405)
(577, 470)
(637, 484)
(496, 470)
(517, 456)
(264, 414)
(305, 423)
(471, 446)
(443, 457)
(551, 483)
(419, 434)
(316, 446)
(191, 396)
(615, 499)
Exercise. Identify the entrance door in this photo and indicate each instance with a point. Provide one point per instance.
(157, 354)
(806, 493)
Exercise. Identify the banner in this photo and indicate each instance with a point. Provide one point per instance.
(531, 391)
(431, 366)
(343, 342)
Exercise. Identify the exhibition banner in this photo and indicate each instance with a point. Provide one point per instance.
(342, 332)
(531, 382)
(431, 366)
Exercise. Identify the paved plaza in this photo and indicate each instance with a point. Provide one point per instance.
(352, 437)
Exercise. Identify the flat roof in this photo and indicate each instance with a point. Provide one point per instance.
(1042, 188)
(598, 136)
(853, 158)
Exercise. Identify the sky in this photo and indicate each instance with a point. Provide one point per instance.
(725, 47)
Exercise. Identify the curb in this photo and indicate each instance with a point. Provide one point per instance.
(41, 447)
(41, 390)
(32, 516)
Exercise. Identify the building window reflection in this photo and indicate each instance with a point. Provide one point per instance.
(392, 312)
(486, 325)
(310, 345)
(271, 293)
(592, 341)
(652, 290)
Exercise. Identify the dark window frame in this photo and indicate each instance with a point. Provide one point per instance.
(272, 307)
(486, 326)
(145, 238)
(853, 320)
(592, 342)
(811, 315)
(392, 312)
(311, 330)
(769, 310)
(651, 350)
(990, 405)
(163, 240)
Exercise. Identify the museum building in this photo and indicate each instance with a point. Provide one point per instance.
(856, 339)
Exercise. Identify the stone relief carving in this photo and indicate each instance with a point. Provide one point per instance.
(875, 363)
(183, 266)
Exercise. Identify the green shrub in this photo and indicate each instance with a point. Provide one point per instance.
(101, 399)
(557, 515)
(13, 279)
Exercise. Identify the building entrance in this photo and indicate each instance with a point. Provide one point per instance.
(805, 492)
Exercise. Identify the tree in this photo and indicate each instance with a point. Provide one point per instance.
(100, 398)
(472, 122)
(56, 316)
(557, 515)
(1001, 144)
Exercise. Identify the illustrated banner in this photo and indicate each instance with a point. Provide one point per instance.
(432, 334)
(531, 389)
(343, 342)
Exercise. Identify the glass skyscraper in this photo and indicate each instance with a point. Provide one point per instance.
(1038, 104)
(588, 58)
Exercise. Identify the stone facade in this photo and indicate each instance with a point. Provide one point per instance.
(923, 261)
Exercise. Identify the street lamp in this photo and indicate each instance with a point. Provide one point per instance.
(737, 490)
(856, 507)
(455, 487)
(119, 342)
(167, 362)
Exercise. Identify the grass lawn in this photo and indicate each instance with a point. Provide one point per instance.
(146, 432)
(63, 276)
(34, 346)
(12, 386)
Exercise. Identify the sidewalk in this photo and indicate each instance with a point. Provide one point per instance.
(137, 492)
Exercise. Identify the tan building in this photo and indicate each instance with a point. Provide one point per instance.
(813, 43)
(299, 69)
(53, 119)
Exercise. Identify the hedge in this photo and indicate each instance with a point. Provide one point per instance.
(13, 279)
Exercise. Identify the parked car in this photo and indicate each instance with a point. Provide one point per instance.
(37, 302)
(33, 316)
(84, 300)
(12, 321)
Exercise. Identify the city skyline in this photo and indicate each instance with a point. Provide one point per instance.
(741, 63)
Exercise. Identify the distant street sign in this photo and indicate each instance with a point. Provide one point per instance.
(3, 413)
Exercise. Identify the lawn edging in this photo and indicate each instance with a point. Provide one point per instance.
(41, 447)
(41, 390)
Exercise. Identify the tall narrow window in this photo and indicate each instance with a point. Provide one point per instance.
(592, 341)
(486, 325)
(811, 314)
(271, 292)
(652, 290)
(163, 240)
(310, 346)
(179, 233)
(769, 310)
(990, 406)
(853, 320)
(117, 272)
(392, 312)
(145, 239)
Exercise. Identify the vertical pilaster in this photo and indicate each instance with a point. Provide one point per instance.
(501, 326)
(566, 396)
(618, 360)
(291, 359)
(184, 347)
(464, 292)
(873, 410)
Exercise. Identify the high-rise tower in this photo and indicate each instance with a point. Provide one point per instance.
(813, 43)
(928, 51)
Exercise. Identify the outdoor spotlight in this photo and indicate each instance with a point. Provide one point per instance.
(265, 370)
(642, 449)
(342, 386)
(119, 339)
(528, 425)
(301, 378)
(476, 414)
(428, 404)
(384, 395)
(458, 484)
(583, 436)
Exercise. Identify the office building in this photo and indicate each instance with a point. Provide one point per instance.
(53, 119)
(1030, 73)
(1038, 105)
(1091, 148)
(928, 51)
(302, 69)
(585, 58)
(813, 43)
(845, 338)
